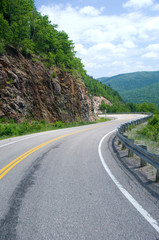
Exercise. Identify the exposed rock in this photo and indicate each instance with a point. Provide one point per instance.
(27, 89)
(97, 102)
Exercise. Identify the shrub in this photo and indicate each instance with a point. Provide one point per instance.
(54, 75)
(59, 124)
(2, 49)
(3, 120)
(152, 129)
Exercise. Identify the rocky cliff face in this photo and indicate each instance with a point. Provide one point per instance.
(28, 90)
(97, 102)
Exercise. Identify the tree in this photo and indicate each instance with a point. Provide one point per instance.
(103, 106)
(5, 33)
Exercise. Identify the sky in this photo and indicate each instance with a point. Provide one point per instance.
(110, 36)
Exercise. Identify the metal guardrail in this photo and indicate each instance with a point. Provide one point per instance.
(148, 157)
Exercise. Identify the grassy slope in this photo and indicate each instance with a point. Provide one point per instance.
(152, 146)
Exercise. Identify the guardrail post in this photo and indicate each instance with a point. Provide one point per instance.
(157, 175)
(143, 163)
(123, 145)
(130, 153)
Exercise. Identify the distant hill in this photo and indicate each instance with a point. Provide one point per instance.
(135, 87)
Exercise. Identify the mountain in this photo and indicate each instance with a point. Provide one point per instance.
(137, 87)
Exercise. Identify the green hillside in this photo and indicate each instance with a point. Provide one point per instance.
(35, 37)
(99, 89)
(149, 93)
(136, 87)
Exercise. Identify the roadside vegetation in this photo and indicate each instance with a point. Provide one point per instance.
(129, 107)
(12, 129)
(147, 134)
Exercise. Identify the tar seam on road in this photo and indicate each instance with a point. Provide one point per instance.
(138, 207)
(13, 163)
(9, 222)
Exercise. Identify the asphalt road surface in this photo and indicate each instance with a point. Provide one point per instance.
(66, 185)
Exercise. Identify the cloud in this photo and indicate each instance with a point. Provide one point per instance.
(90, 11)
(151, 51)
(129, 44)
(138, 3)
(153, 47)
(151, 55)
(109, 44)
(80, 49)
(153, 24)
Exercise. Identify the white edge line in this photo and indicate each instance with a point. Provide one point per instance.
(33, 135)
(25, 137)
(138, 207)
(42, 133)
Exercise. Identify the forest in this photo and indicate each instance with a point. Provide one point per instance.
(30, 32)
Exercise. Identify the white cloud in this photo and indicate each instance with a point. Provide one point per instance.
(153, 23)
(153, 47)
(129, 44)
(152, 55)
(103, 46)
(80, 49)
(107, 43)
(138, 3)
(90, 11)
(151, 51)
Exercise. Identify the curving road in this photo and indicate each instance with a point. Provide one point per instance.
(67, 185)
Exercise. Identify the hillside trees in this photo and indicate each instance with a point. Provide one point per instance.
(6, 34)
(26, 29)
(99, 89)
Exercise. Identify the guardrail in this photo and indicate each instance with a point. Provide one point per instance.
(145, 156)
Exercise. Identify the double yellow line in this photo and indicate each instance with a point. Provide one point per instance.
(12, 164)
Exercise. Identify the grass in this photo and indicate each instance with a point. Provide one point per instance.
(138, 135)
(12, 129)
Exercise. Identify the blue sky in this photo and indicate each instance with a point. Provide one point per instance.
(110, 36)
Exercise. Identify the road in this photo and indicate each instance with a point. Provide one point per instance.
(66, 185)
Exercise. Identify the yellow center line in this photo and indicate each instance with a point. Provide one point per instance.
(12, 164)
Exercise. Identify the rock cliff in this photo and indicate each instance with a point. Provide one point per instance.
(29, 90)
(97, 102)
